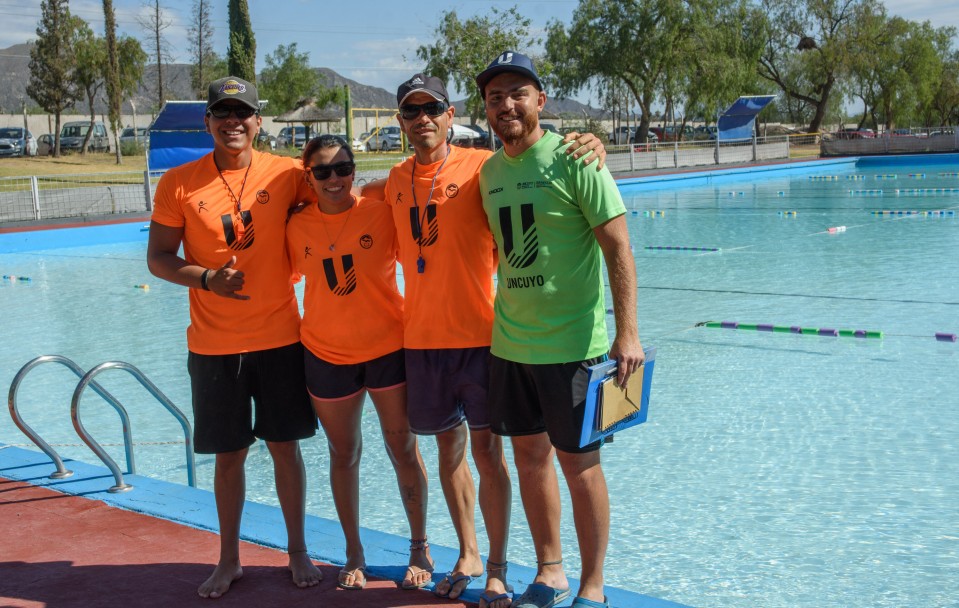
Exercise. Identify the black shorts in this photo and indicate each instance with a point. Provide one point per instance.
(331, 382)
(239, 398)
(526, 399)
(446, 386)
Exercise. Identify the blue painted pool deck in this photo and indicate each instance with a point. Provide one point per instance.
(386, 554)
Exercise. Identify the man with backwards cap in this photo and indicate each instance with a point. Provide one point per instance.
(553, 223)
(448, 259)
(228, 209)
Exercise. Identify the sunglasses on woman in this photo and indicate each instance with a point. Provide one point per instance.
(342, 169)
(241, 112)
(432, 109)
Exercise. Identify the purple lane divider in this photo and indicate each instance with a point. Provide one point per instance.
(829, 332)
(729, 324)
(859, 333)
(764, 327)
(795, 329)
(944, 337)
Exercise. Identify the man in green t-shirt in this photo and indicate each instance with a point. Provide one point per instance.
(554, 223)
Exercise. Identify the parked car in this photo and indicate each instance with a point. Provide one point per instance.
(673, 133)
(139, 136)
(73, 133)
(266, 140)
(463, 136)
(705, 132)
(651, 138)
(356, 144)
(384, 139)
(622, 135)
(291, 137)
(17, 141)
(45, 145)
(548, 126)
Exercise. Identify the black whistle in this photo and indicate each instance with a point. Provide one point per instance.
(420, 265)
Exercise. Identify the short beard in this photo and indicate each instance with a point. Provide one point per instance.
(528, 124)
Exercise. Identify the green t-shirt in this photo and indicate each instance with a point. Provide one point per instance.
(542, 208)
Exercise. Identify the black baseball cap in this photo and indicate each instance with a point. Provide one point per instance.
(232, 87)
(421, 83)
(509, 61)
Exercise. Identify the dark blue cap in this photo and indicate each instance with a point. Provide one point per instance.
(509, 61)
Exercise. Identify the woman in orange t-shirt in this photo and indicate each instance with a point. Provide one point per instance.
(352, 331)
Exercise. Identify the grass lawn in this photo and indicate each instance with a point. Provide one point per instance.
(69, 163)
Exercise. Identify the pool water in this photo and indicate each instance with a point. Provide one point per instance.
(775, 469)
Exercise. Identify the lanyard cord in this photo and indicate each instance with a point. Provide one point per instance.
(420, 220)
(236, 199)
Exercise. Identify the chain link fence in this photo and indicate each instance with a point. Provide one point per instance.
(37, 198)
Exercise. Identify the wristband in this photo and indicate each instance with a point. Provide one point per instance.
(203, 280)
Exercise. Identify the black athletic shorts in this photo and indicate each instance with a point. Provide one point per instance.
(527, 398)
(239, 398)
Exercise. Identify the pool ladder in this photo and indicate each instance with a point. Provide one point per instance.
(86, 379)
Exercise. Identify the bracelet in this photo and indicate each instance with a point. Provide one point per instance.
(203, 280)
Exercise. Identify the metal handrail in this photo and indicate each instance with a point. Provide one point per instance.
(62, 472)
(87, 379)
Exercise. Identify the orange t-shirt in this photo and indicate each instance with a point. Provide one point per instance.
(449, 304)
(194, 198)
(352, 310)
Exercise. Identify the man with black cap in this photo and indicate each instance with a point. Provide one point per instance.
(228, 209)
(448, 258)
(554, 224)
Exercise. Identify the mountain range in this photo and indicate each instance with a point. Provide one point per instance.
(15, 73)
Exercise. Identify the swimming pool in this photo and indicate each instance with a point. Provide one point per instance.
(775, 469)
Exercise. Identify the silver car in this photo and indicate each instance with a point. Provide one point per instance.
(17, 141)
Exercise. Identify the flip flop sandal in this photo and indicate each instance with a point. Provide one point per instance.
(582, 602)
(355, 586)
(453, 580)
(417, 545)
(538, 595)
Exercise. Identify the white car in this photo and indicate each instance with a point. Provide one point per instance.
(17, 141)
(140, 135)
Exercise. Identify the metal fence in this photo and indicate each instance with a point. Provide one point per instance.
(25, 199)
(672, 155)
(898, 141)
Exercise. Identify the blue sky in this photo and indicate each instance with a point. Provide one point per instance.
(371, 41)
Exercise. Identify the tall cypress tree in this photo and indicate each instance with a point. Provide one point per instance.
(52, 63)
(242, 54)
(113, 73)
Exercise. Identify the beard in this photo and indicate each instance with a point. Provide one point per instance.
(514, 133)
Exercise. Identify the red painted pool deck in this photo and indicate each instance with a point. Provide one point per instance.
(59, 550)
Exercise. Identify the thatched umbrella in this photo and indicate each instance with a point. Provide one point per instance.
(307, 114)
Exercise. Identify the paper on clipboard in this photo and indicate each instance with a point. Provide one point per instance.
(616, 402)
(610, 409)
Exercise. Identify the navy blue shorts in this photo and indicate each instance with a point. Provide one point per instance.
(239, 398)
(526, 399)
(446, 386)
(332, 382)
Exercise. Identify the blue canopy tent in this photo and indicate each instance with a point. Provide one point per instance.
(178, 135)
(737, 121)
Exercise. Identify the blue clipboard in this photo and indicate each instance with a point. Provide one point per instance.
(600, 374)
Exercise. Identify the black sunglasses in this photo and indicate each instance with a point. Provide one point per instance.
(241, 112)
(342, 169)
(432, 109)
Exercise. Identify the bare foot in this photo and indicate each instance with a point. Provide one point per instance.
(305, 572)
(220, 581)
(419, 573)
(455, 583)
(495, 595)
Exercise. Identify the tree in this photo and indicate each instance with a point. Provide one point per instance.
(90, 72)
(154, 23)
(811, 47)
(943, 108)
(113, 74)
(463, 49)
(288, 78)
(205, 59)
(635, 42)
(241, 57)
(52, 63)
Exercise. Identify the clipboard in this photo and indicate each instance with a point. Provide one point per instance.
(609, 408)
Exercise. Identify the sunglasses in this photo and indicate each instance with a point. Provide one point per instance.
(241, 112)
(342, 169)
(432, 109)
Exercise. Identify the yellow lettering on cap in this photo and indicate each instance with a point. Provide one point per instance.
(232, 87)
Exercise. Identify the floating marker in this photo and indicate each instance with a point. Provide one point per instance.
(805, 331)
(780, 193)
(865, 192)
(787, 213)
(836, 229)
(144, 228)
(944, 337)
(656, 213)
(856, 177)
(676, 248)
(823, 178)
(142, 286)
(949, 175)
(926, 191)
(887, 176)
(12, 277)
(918, 175)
